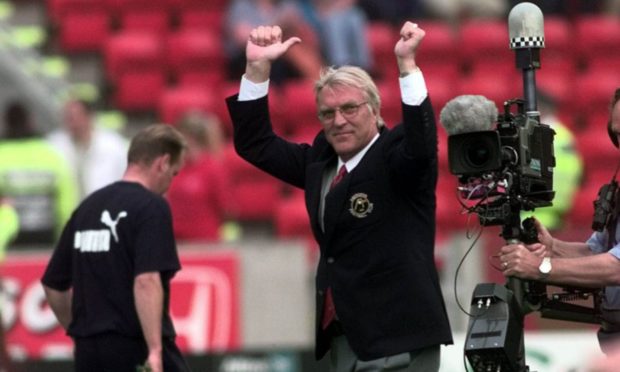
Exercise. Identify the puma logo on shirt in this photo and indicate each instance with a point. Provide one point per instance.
(98, 240)
(109, 222)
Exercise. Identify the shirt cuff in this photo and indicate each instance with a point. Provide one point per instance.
(249, 90)
(413, 88)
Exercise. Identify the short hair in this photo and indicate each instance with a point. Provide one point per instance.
(355, 77)
(86, 105)
(18, 122)
(154, 141)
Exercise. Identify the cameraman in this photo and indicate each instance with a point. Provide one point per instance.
(595, 263)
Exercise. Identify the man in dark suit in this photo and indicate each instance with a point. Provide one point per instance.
(370, 195)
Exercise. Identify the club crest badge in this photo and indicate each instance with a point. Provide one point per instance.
(360, 205)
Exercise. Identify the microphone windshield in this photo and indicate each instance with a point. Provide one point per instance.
(526, 26)
(468, 113)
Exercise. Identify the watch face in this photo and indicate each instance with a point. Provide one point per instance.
(545, 265)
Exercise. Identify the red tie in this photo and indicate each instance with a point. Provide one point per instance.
(329, 310)
(341, 173)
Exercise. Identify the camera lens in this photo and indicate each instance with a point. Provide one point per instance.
(474, 153)
(477, 153)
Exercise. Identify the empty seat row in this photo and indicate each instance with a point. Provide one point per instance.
(582, 99)
(85, 25)
(590, 41)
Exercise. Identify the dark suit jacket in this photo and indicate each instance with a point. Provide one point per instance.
(377, 248)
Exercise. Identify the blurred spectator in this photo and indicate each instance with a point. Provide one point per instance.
(98, 156)
(199, 195)
(395, 12)
(568, 171)
(570, 8)
(612, 7)
(36, 178)
(304, 60)
(455, 10)
(9, 222)
(341, 26)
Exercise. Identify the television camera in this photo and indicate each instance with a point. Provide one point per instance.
(503, 170)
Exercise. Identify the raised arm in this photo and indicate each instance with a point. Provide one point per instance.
(410, 38)
(263, 47)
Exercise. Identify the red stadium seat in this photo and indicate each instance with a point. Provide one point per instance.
(298, 108)
(557, 83)
(582, 210)
(440, 90)
(389, 91)
(291, 217)
(442, 151)
(176, 101)
(141, 15)
(599, 155)
(83, 25)
(132, 51)
(598, 41)
(497, 87)
(559, 54)
(439, 53)
(592, 92)
(485, 46)
(226, 89)
(202, 19)
(381, 38)
(133, 64)
(277, 106)
(138, 91)
(178, 5)
(594, 122)
(448, 212)
(196, 57)
(256, 193)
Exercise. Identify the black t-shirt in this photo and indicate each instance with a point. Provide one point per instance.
(118, 232)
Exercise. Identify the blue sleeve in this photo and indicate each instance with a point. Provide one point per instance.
(598, 244)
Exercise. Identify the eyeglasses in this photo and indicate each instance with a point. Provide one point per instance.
(348, 110)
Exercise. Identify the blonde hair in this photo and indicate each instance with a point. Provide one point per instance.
(355, 77)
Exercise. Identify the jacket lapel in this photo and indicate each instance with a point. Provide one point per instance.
(335, 201)
(314, 176)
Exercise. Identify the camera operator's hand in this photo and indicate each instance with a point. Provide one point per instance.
(544, 237)
(608, 363)
(538, 249)
(519, 261)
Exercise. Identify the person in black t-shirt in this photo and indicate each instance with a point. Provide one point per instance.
(108, 280)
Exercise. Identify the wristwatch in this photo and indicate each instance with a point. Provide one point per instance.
(545, 267)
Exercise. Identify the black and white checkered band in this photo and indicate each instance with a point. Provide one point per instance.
(527, 42)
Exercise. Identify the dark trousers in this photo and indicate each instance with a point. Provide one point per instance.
(112, 352)
(343, 359)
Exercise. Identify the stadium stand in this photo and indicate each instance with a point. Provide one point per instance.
(154, 74)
